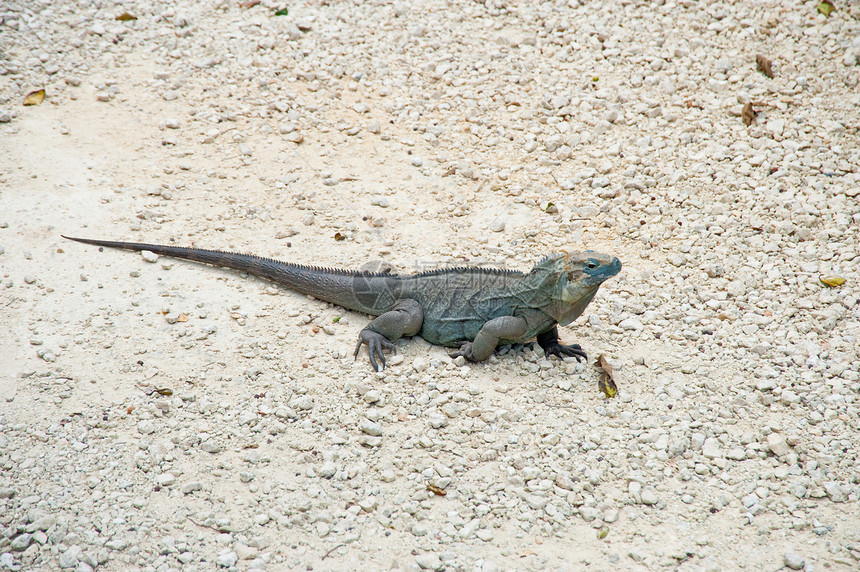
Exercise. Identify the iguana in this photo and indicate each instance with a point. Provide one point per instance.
(474, 309)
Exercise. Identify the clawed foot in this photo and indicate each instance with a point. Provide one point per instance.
(465, 351)
(562, 351)
(376, 342)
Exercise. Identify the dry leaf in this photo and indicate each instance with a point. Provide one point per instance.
(604, 364)
(35, 97)
(763, 65)
(438, 491)
(167, 392)
(602, 532)
(832, 281)
(606, 383)
(826, 7)
(748, 113)
(182, 318)
(125, 17)
(249, 4)
(338, 236)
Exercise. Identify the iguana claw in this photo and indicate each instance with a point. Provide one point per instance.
(376, 342)
(465, 351)
(562, 351)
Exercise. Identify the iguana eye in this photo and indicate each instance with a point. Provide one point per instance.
(591, 264)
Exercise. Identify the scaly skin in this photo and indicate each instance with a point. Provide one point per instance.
(475, 309)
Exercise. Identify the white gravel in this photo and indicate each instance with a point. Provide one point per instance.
(169, 416)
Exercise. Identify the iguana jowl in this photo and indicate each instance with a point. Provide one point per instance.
(475, 309)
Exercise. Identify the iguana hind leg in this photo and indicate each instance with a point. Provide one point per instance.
(404, 319)
(551, 346)
(504, 327)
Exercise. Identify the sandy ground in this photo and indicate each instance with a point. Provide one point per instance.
(422, 135)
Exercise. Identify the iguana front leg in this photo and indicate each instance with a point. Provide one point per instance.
(502, 328)
(404, 319)
(551, 346)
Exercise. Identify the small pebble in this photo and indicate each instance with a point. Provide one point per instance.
(429, 561)
(226, 558)
(777, 444)
(497, 225)
(166, 479)
(370, 428)
(191, 487)
(21, 542)
(148, 256)
(793, 561)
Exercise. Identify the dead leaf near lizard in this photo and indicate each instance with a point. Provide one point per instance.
(35, 97)
(438, 491)
(748, 114)
(832, 281)
(764, 65)
(606, 382)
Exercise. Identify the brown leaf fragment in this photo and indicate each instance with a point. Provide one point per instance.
(438, 491)
(338, 236)
(249, 3)
(604, 364)
(35, 97)
(165, 391)
(125, 17)
(748, 114)
(826, 7)
(763, 65)
(832, 281)
(606, 382)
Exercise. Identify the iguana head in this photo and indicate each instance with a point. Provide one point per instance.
(572, 280)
